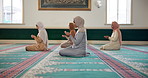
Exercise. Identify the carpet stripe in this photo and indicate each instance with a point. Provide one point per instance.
(5, 43)
(12, 48)
(118, 67)
(146, 52)
(22, 66)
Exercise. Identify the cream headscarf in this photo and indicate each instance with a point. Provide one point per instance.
(42, 33)
(80, 23)
(116, 28)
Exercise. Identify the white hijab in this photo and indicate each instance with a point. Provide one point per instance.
(42, 33)
(80, 23)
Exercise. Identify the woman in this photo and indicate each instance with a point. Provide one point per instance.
(115, 39)
(78, 49)
(72, 32)
(41, 39)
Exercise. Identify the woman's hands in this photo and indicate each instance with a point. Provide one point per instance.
(33, 36)
(64, 36)
(106, 37)
(67, 33)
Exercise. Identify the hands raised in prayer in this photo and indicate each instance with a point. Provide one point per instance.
(106, 37)
(67, 33)
(33, 36)
(64, 36)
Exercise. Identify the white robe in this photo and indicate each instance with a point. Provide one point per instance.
(42, 33)
(114, 43)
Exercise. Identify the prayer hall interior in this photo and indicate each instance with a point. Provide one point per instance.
(18, 20)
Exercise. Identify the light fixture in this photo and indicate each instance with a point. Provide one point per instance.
(99, 4)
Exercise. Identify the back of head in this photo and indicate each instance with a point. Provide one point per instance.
(40, 25)
(115, 25)
(71, 26)
(79, 21)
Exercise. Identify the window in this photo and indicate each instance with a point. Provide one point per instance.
(11, 11)
(119, 10)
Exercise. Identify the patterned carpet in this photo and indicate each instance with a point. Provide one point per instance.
(129, 62)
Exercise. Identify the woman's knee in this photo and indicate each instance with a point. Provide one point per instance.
(63, 46)
(26, 48)
(61, 53)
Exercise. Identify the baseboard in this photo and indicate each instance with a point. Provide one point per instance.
(24, 34)
(89, 41)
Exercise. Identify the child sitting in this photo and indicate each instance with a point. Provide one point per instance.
(72, 32)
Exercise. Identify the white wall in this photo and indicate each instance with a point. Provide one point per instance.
(0, 10)
(140, 13)
(95, 18)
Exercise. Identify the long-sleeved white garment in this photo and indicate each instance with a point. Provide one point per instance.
(114, 43)
(42, 33)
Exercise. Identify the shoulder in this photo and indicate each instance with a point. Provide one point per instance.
(115, 31)
(82, 30)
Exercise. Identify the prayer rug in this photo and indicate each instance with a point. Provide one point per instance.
(129, 62)
(14, 59)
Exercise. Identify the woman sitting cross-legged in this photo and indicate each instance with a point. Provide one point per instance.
(41, 39)
(115, 39)
(69, 41)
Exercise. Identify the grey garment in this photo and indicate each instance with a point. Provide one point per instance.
(78, 49)
(74, 52)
